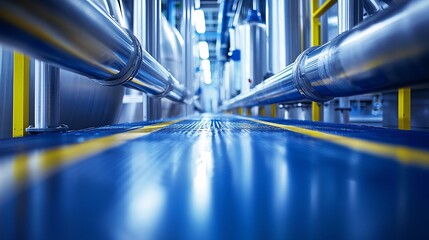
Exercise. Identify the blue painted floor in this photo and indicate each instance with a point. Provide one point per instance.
(216, 177)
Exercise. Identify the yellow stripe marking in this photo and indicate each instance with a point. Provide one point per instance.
(52, 159)
(20, 168)
(401, 153)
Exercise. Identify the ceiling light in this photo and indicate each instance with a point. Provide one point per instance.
(204, 50)
(200, 22)
(205, 64)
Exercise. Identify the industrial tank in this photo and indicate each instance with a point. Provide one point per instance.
(171, 58)
(253, 42)
(85, 103)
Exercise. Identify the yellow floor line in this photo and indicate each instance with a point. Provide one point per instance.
(401, 153)
(51, 159)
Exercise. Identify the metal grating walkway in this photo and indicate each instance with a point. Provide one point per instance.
(217, 177)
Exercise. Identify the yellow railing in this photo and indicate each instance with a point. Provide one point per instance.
(404, 94)
(317, 12)
(248, 111)
(273, 110)
(262, 111)
(404, 108)
(21, 82)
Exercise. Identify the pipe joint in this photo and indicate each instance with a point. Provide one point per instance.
(169, 88)
(131, 69)
(305, 70)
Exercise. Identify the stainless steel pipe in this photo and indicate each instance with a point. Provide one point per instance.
(388, 51)
(371, 6)
(82, 37)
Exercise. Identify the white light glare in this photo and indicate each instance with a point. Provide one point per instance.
(207, 74)
(200, 22)
(205, 64)
(208, 81)
(204, 50)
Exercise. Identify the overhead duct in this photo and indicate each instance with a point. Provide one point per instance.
(80, 36)
(386, 52)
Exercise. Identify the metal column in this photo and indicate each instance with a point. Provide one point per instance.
(21, 84)
(152, 46)
(188, 35)
(46, 99)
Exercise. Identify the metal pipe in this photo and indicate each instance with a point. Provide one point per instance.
(80, 36)
(371, 6)
(388, 51)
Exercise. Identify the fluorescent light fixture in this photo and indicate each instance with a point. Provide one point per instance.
(200, 21)
(205, 64)
(204, 49)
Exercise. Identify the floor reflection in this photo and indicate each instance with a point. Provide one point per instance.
(217, 178)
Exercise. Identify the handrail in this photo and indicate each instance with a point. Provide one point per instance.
(323, 8)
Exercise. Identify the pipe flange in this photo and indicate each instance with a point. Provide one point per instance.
(131, 68)
(302, 83)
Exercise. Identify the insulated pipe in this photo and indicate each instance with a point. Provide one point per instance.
(80, 36)
(388, 51)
